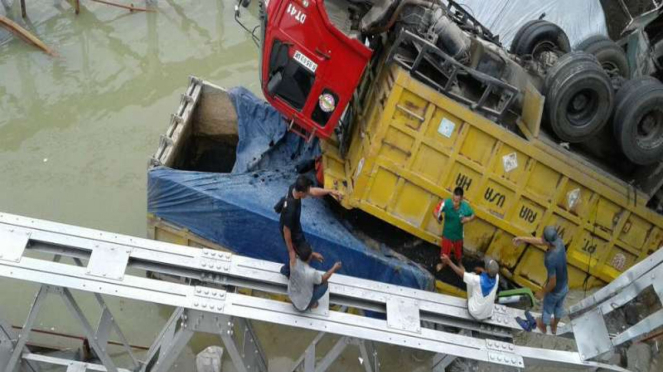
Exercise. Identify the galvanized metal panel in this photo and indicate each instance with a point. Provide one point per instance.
(108, 261)
(592, 334)
(12, 244)
(403, 314)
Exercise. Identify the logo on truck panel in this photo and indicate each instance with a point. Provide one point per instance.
(295, 13)
(527, 214)
(495, 197)
(463, 181)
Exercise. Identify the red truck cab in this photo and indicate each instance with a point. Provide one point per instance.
(309, 67)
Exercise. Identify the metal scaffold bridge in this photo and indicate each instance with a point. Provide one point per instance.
(215, 292)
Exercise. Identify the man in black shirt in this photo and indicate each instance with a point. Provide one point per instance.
(290, 225)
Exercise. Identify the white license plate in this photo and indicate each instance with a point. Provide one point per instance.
(305, 61)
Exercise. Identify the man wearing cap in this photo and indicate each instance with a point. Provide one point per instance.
(481, 287)
(556, 286)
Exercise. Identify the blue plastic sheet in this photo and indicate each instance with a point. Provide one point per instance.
(264, 142)
(236, 210)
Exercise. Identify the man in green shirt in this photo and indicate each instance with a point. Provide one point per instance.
(456, 212)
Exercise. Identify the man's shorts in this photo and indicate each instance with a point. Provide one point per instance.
(553, 304)
(447, 245)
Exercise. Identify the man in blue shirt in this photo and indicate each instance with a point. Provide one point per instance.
(556, 286)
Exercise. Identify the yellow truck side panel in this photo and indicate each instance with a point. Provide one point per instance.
(416, 145)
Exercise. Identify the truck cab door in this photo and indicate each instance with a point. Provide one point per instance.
(310, 69)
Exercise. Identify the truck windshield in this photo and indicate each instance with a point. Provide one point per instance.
(288, 79)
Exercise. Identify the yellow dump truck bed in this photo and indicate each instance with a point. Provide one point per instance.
(413, 145)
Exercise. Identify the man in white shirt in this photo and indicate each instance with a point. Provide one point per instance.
(481, 287)
(306, 285)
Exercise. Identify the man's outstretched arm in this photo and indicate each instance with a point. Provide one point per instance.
(330, 272)
(458, 270)
(319, 192)
(529, 240)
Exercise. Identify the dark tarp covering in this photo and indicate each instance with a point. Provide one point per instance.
(236, 210)
(264, 142)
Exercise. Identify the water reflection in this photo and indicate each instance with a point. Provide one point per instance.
(109, 60)
(96, 111)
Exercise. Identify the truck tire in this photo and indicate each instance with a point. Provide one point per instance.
(611, 57)
(629, 86)
(519, 34)
(638, 123)
(562, 63)
(540, 37)
(579, 100)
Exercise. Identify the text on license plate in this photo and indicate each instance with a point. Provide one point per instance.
(305, 61)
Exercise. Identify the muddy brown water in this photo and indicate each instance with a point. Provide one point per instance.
(76, 132)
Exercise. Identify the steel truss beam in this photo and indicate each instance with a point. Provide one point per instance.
(109, 255)
(8, 340)
(237, 335)
(98, 339)
(307, 362)
(71, 365)
(225, 269)
(588, 316)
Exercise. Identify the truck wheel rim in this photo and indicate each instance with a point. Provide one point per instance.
(546, 53)
(649, 132)
(611, 69)
(547, 59)
(582, 107)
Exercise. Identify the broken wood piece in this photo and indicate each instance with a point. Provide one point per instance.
(24, 34)
(130, 7)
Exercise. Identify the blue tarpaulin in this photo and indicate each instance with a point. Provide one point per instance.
(264, 142)
(235, 209)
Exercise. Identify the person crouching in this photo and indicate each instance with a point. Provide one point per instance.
(481, 287)
(306, 285)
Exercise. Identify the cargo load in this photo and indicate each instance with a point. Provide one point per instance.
(224, 162)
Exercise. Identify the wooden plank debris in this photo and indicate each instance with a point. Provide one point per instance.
(24, 34)
(130, 7)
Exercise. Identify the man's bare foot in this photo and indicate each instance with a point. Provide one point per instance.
(542, 327)
(315, 305)
(439, 267)
(553, 328)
